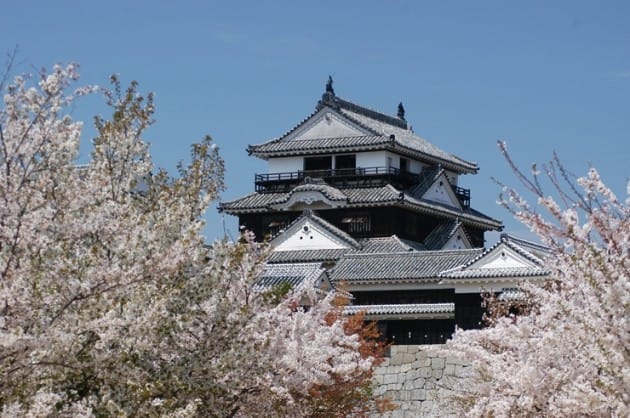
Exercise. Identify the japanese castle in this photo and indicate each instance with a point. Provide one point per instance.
(354, 196)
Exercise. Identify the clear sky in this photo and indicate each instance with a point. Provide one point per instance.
(542, 75)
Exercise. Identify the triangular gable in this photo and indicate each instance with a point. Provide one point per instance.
(326, 123)
(502, 257)
(309, 232)
(441, 191)
(503, 261)
(458, 239)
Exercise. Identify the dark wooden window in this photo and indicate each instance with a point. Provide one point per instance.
(410, 225)
(272, 225)
(345, 162)
(357, 223)
(317, 163)
(468, 310)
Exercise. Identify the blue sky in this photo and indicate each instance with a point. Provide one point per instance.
(541, 75)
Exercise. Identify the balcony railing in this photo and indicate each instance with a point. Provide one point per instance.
(348, 177)
(463, 195)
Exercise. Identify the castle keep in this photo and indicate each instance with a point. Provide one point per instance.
(353, 195)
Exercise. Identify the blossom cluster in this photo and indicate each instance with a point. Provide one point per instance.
(568, 356)
(111, 303)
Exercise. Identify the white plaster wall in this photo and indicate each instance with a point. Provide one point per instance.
(311, 239)
(379, 159)
(457, 244)
(504, 259)
(372, 159)
(452, 177)
(326, 126)
(285, 164)
(440, 194)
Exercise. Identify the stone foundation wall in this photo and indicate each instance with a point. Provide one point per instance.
(414, 377)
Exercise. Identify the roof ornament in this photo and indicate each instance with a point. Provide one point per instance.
(401, 111)
(328, 98)
(329, 86)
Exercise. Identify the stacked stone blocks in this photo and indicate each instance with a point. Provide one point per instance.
(415, 377)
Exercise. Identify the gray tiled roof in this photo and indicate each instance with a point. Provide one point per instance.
(387, 193)
(402, 309)
(492, 273)
(298, 256)
(279, 147)
(367, 196)
(255, 202)
(293, 274)
(512, 294)
(406, 266)
(418, 246)
(533, 249)
(330, 192)
(406, 138)
(388, 132)
(390, 244)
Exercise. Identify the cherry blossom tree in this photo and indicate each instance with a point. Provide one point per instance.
(111, 303)
(568, 355)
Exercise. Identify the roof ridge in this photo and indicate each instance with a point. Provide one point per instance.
(292, 265)
(295, 127)
(522, 241)
(371, 113)
(366, 112)
(524, 253)
(414, 253)
(401, 242)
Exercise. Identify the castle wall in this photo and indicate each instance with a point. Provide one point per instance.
(415, 377)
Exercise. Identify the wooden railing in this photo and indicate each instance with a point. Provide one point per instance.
(348, 177)
(343, 176)
(463, 195)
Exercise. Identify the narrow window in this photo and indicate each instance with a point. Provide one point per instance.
(404, 165)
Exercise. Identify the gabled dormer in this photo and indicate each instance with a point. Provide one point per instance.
(310, 232)
(442, 192)
(450, 235)
(436, 185)
(507, 259)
